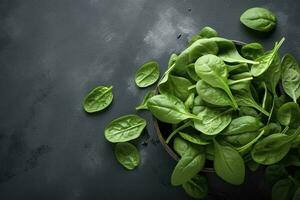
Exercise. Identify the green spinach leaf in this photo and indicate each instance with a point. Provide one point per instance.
(98, 99)
(124, 129)
(147, 74)
(127, 155)
(196, 187)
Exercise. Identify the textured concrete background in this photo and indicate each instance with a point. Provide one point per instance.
(52, 52)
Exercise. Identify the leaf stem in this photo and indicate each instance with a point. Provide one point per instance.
(232, 82)
(187, 124)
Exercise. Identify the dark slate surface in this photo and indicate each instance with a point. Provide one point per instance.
(53, 52)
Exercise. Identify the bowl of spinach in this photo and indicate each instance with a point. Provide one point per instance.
(222, 107)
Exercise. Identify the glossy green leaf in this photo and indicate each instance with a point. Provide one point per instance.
(265, 60)
(124, 129)
(188, 166)
(168, 108)
(252, 51)
(243, 124)
(229, 165)
(259, 19)
(212, 121)
(147, 74)
(291, 77)
(98, 99)
(127, 155)
(197, 187)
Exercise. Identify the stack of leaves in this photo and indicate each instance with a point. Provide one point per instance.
(229, 106)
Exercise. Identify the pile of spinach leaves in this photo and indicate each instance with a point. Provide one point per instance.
(236, 107)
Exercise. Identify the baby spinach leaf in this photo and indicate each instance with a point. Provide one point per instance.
(189, 102)
(273, 148)
(172, 59)
(208, 32)
(98, 99)
(265, 60)
(212, 121)
(127, 155)
(229, 165)
(252, 51)
(291, 77)
(283, 190)
(177, 86)
(192, 53)
(244, 96)
(143, 105)
(168, 108)
(206, 92)
(213, 71)
(259, 19)
(243, 124)
(124, 129)
(193, 138)
(273, 74)
(240, 139)
(244, 110)
(228, 52)
(191, 72)
(238, 68)
(147, 74)
(182, 146)
(289, 115)
(188, 166)
(197, 187)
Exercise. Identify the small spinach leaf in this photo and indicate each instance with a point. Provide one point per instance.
(196, 187)
(147, 74)
(252, 51)
(127, 155)
(98, 99)
(259, 19)
(124, 129)
(143, 105)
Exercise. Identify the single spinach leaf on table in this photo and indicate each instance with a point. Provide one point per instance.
(168, 108)
(252, 50)
(213, 71)
(98, 99)
(127, 155)
(124, 129)
(188, 166)
(229, 164)
(177, 86)
(197, 187)
(143, 105)
(212, 121)
(259, 19)
(212, 95)
(243, 124)
(291, 77)
(147, 74)
(283, 189)
(265, 60)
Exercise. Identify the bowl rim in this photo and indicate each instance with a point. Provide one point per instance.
(169, 149)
